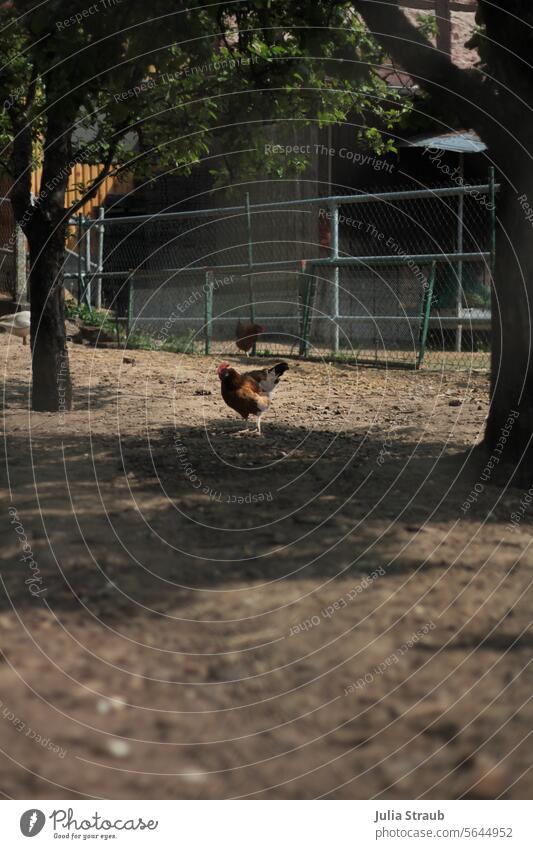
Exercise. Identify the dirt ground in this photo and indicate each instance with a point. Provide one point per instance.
(190, 612)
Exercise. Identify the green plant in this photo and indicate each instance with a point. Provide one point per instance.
(347, 356)
(140, 341)
(96, 318)
(180, 344)
(427, 24)
(348, 353)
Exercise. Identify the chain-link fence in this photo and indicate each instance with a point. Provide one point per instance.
(411, 245)
(14, 259)
(400, 276)
(7, 247)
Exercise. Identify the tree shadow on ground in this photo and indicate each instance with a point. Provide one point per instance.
(208, 507)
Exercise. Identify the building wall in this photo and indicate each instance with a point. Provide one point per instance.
(290, 233)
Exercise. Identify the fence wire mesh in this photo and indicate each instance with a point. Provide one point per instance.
(388, 298)
(346, 277)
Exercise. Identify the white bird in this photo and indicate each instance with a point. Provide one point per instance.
(18, 323)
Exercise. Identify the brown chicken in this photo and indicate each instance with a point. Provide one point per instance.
(246, 335)
(249, 394)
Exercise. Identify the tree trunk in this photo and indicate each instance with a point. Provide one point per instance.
(498, 108)
(51, 388)
(509, 430)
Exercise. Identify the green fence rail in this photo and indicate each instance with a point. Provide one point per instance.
(401, 275)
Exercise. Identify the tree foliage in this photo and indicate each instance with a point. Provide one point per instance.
(140, 88)
(156, 88)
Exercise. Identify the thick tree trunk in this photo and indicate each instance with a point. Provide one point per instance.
(498, 108)
(509, 430)
(51, 388)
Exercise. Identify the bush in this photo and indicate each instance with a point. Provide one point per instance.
(97, 318)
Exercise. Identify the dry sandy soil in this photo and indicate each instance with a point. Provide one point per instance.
(202, 623)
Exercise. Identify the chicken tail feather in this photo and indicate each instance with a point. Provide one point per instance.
(280, 368)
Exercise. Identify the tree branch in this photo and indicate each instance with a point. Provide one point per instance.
(32, 89)
(461, 92)
(93, 187)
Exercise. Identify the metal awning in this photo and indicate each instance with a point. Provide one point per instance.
(466, 142)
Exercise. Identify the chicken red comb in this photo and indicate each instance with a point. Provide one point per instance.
(221, 367)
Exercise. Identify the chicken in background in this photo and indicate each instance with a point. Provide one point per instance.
(249, 394)
(246, 335)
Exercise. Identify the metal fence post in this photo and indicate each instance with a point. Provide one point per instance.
(130, 307)
(303, 299)
(208, 310)
(250, 264)
(80, 258)
(317, 289)
(459, 271)
(308, 306)
(426, 312)
(335, 281)
(88, 278)
(492, 198)
(100, 258)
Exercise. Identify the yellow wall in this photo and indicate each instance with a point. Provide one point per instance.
(86, 174)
